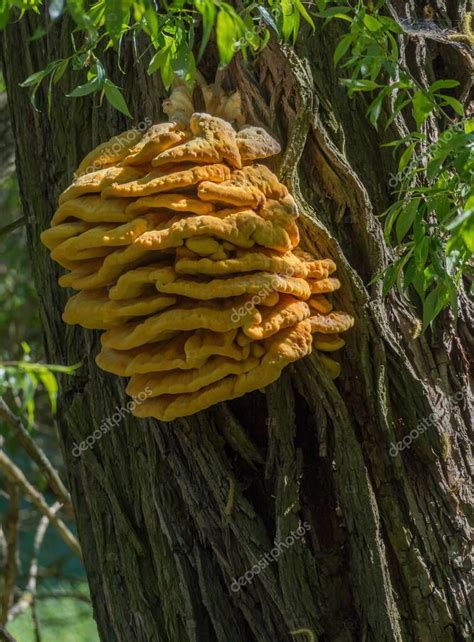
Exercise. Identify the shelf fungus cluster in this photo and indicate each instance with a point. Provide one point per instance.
(183, 247)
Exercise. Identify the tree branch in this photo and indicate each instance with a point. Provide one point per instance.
(11, 556)
(37, 455)
(70, 595)
(11, 227)
(29, 596)
(16, 475)
(5, 636)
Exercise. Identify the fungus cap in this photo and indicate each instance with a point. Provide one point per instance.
(186, 252)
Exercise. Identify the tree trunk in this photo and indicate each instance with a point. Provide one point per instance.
(169, 514)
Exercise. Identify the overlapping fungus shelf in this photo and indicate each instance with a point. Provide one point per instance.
(184, 249)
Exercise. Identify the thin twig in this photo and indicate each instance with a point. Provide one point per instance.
(37, 455)
(29, 595)
(5, 636)
(70, 595)
(11, 227)
(13, 520)
(36, 622)
(15, 474)
(3, 546)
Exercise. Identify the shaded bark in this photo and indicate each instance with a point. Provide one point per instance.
(7, 161)
(169, 514)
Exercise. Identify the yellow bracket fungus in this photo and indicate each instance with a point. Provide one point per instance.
(185, 252)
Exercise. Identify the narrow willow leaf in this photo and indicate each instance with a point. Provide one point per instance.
(225, 36)
(208, 11)
(406, 219)
(115, 97)
(422, 107)
(342, 48)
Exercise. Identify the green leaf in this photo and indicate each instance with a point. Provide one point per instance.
(375, 107)
(151, 25)
(264, 39)
(409, 273)
(94, 85)
(225, 36)
(467, 232)
(290, 16)
(421, 252)
(166, 71)
(372, 23)
(359, 85)
(400, 103)
(51, 386)
(159, 59)
(302, 9)
(406, 219)
(441, 205)
(390, 24)
(390, 277)
(79, 15)
(162, 61)
(115, 97)
(28, 388)
(117, 18)
(34, 79)
(452, 102)
(342, 47)
(392, 273)
(469, 126)
(406, 157)
(468, 211)
(443, 84)
(436, 301)
(422, 107)
(4, 13)
(336, 12)
(39, 33)
(60, 70)
(391, 216)
(38, 76)
(208, 11)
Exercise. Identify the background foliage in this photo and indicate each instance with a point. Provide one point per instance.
(29, 386)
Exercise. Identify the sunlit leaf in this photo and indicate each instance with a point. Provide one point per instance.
(454, 103)
(117, 17)
(342, 48)
(302, 9)
(422, 107)
(51, 386)
(434, 303)
(406, 219)
(372, 23)
(115, 97)
(443, 84)
(225, 36)
(208, 12)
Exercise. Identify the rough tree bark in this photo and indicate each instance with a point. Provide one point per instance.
(169, 514)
